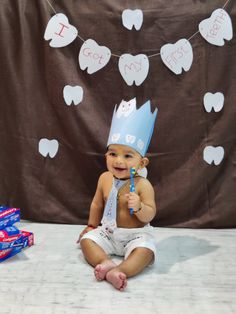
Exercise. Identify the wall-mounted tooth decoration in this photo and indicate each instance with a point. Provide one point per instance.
(48, 147)
(132, 18)
(73, 94)
(213, 101)
(213, 155)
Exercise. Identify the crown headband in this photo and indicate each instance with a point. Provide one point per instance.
(132, 127)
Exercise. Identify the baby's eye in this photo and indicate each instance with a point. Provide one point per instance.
(112, 154)
(128, 156)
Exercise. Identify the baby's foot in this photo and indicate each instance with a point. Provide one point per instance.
(117, 279)
(101, 270)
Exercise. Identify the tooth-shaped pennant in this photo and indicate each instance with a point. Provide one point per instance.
(93, 57)
(73, 94)
(177, 56)
(215, 101)
(132, 18)
(134, 68)
(60, 31)
(217, 28)
(213, 155)
(48, 147)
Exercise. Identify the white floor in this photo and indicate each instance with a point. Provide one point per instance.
(196, 273)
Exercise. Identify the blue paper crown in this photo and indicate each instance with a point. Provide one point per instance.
(132, 128)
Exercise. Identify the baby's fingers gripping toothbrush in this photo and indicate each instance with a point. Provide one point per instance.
(132, 187)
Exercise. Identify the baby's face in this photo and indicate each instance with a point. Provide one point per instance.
(120, 159)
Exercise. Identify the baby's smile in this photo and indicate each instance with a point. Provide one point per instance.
(119, 169)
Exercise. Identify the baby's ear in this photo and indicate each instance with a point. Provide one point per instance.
(144, 162)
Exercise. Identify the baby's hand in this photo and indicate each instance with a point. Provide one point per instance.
(133, 201)
(86, 229)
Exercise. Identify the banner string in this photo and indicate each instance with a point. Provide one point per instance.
(49, 3)
(118, 56)
(225, 4)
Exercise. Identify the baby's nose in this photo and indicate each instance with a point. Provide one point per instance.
(119, 160)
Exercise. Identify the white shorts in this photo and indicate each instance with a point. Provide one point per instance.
(123, 241)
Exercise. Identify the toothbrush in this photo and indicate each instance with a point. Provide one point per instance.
(132, 187)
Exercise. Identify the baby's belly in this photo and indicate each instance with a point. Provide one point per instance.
(125, 220)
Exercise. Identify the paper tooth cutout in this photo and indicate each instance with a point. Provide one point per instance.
(48, 147)
(213, 154)
(142, 172)
(60, 31)
(132, 18)
(126, 108)
(73, 94)
(217, 28)
(134, 68)
(93, 57)
(215, 101)
(177, 56)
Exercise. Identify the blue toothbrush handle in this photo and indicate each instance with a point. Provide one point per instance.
(132, 189)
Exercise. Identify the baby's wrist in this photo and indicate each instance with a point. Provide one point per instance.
(139, 209)
(91, 226)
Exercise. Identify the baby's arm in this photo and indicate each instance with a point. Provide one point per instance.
(143, 201)
(96, 209)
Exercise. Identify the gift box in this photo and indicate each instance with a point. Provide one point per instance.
(8, 216)
(9, 237)
(12, 244)
(5, 254)
(27, 238)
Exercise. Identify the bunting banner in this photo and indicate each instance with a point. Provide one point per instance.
(134, 69)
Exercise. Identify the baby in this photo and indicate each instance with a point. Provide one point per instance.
(122, 232)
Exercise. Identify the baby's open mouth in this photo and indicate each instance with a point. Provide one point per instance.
(119, 169)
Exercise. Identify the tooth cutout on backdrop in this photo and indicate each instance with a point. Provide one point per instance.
(48, 147)
(213, 101)
(142, 172)
(213, 155)
(73, 94)
(177, 56)
(60, 31)
(134, 69)
(126, 108)
(217, 28)
(132, 18)
(93, 57)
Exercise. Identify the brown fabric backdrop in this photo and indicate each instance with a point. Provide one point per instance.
(189, 192)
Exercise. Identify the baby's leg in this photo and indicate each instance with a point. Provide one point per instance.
(133, 265)
(96, 257)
